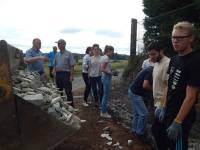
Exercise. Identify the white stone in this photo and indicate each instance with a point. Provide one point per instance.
(120, 147)
(116, 144)
(83, 121)
(26, 80)
(109, 143)
(25, 84)
(48, 98)
(57, 106)
(31, 77)
(67, 116)
(107, 136)
(30, 93)
(27, 90)
(55, 100)
(36, 99)
(45, 89)
(16, 90)
(130, 142)
(101, 121)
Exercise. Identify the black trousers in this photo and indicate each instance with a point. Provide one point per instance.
(160, 135)
(96, 83)
(87, 85)
(50, 71)
(63, 82)
(159, 131)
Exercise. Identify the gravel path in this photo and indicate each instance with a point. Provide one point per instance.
(78, 82)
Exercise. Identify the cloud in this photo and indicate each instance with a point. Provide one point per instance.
(70, 30)
(109, 33)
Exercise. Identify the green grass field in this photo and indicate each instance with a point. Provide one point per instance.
(119, 64)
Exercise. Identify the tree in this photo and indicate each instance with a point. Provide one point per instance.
(161, 15)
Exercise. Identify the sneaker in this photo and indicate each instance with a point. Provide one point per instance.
(85, 104)
(105, 115)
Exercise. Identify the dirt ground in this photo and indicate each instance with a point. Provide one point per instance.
(89, 136)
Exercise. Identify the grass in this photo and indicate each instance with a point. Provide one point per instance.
(117, 64)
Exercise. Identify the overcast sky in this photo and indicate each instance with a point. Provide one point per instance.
(80, 22)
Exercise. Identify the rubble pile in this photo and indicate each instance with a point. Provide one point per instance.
(45, 95)
(107, 134)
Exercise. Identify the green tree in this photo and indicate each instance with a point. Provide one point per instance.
(161, 15)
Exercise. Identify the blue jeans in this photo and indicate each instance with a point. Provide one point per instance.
(140, 113)
(106, 80)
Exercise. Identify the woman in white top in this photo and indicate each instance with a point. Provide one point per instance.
(106, 79)
(95, 75)
(85, 68)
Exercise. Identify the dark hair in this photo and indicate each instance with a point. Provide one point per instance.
(54, 47)
(156, 45)
(88, 49)
(108, 48)
(95, 45)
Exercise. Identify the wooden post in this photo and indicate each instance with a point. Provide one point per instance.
(133, 37)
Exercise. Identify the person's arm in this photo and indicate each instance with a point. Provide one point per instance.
(72, 73)
(165, 78)
(29, 60)
(103, 68)
(189, 101)
(164, 98)
(86, 63)
(147, 85)
(72, 64)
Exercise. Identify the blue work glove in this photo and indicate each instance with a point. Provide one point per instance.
(174, 131)
(160, 113)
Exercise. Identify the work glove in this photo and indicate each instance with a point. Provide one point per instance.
(160, 113)
(174, 131)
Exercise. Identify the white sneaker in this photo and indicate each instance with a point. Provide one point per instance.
(85, 104)
(105, 115)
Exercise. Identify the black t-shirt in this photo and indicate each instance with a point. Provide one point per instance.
(137, 85)
(183, 71)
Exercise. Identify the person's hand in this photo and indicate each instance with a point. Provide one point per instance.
(157, 112)
(160, 113)
(44, 58)
(174, 131)
(71, 78)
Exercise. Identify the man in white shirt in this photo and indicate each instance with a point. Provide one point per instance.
(160, 78)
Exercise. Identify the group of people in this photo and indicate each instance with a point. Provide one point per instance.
(61, 65)
(96, 71)
(174, 84)
(97, 75)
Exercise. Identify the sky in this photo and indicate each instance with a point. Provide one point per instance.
(80, 22)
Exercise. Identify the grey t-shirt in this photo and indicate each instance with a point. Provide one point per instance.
(105, 59)
(94, 67)
(64, 61)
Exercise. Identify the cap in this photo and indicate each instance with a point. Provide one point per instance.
(61, 41)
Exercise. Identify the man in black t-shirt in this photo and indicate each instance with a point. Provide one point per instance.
(138, 90)
(183, 86)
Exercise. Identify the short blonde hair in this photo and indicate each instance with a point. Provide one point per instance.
(185, 25)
